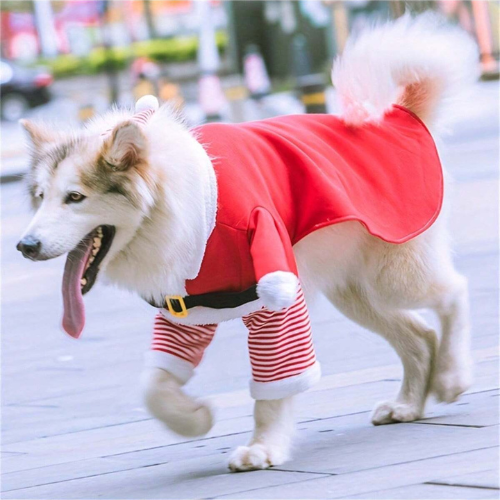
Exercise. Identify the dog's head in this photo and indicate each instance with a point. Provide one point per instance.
(91, 192)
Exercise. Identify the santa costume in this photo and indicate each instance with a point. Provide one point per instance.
(277, 181)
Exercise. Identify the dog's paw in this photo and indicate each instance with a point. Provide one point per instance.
(448, 385)
(256, 456)
(390, 412)
(197, 422)
(278, 290)
(167, 402)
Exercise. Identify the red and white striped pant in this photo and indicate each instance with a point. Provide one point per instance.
(280, 345)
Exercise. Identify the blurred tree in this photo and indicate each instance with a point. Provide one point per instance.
(399, 7)
(301, 59)
(44, 20)
(340, 24)
(110, 60)
(16, 6)
(148, 14)
(271, 26)
(248, 27)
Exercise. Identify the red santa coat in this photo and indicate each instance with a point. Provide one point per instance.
(280, 179)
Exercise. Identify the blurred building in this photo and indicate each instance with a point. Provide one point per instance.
(315, 29)
(76, 23)
(325, 25)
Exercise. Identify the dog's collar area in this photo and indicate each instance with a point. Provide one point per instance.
(179, 306)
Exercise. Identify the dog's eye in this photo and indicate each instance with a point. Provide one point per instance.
(40, 195)
(74, 197)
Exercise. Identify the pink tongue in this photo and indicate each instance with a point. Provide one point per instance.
(74, 310)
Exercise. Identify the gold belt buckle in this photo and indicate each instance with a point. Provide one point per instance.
(171, 310)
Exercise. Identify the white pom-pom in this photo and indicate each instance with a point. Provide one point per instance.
(147, 102)
(278, 290)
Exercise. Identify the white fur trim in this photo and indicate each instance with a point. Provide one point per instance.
(211, 208)
(179, 368)
(147, 102)
(286, 387)
(278, 290)
(209, 316)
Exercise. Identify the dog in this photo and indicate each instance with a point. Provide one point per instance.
(134, 199)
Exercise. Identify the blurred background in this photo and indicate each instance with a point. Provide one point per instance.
(65, 60)
(73, 422)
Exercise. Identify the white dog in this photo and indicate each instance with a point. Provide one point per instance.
(134, 197)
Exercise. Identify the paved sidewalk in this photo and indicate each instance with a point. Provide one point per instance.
(74, 426)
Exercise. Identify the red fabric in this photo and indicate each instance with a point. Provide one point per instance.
(279, 342)
(282, 178)
(187, 342)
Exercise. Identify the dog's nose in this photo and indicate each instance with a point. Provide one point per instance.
(29, 247)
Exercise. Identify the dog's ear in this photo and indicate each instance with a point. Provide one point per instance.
(39, 134)
(126, 147)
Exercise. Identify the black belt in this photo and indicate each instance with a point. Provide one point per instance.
(178, 306)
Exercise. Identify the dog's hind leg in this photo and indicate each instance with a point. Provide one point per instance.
(421, 274)
(414, 342)
(453, 371)
(272, 437)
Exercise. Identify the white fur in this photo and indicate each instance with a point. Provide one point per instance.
(378, 64)
(272, 437)
(377, 284)
(280, 389)
(166, 401)
(59, 226)
(181, 369)
(186, 198)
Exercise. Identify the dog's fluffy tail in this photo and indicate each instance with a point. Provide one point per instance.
(413, 61)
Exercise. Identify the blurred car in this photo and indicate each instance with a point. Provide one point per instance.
(22, 89)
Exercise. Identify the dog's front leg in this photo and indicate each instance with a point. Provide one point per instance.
(176, 351)
(272, 438)
(168, 403)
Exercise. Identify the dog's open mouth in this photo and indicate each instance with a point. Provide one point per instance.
(80, 273)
